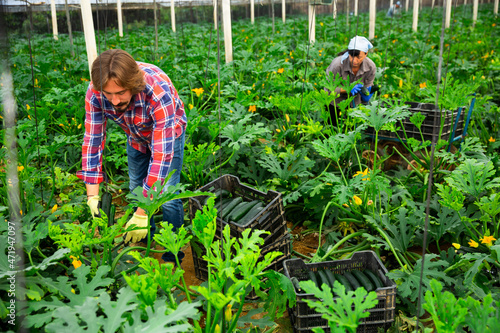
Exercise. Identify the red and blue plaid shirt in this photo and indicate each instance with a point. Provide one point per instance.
(154, 119)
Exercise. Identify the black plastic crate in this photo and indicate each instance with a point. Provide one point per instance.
(362, 328)
(282, 245)
(431, 125)
(271, 218)
(381, 314)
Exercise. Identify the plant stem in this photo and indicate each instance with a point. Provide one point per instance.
(342, 241)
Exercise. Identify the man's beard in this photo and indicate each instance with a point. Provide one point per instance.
(122, 107)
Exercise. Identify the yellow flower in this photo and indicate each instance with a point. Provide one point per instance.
(287, 60)
(287, 118)
(53, 209)
(357, 200)
(321, 23)
(281, 70)
(479, 42)
(76, 263)
(423, 85)
(191, 106)
(494, 25)
(491, 139)
(228, 314)
(346, 205)
(198, 91)
(473, 243)
(402, 61)
(28, 107)
(386, 96)
(364, 174)
(79, 126)
(456, 245)
(400, 83)
(488, 240)
(20, 168)
(252, 108)
(278, 130)
(61, 125)
(217, 328)
(394, 41)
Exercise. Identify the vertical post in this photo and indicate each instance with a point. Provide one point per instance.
(448, 13)
(474, 12)
(252, 11)
(391, 2)
(271, 3)
(334, 9)
(172, 14)
(356, 7)
(283, 10)
(373, 15)
(156, 27)
(433, 3)
(54, 19)
(406, 5)
(415, 16)
(70, 33)
(347, 13)
(228, 37)
(312, 24)
(495, 7)
(88, 29)
(216, 17)
(120, 18)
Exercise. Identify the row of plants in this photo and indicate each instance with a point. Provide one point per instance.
(267, 123)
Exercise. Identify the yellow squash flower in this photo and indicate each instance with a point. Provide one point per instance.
(53, 209)
(252, 108)
(198, 91)
(287, 118)
(191, 106)
(281, 70)
(456, 245)
(228, 314)
(20, 168)
(488, 240)
(357, 200)
(473, 243)
(364, 174)
(76, 263)
(423, 85)
(491, 139)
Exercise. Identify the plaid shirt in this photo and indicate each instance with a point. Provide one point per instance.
(154, 119)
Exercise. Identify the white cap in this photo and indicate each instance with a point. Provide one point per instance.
(360, 43)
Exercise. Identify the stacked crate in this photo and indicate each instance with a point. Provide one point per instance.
(304, 318)
(430, 127)
(271, 219)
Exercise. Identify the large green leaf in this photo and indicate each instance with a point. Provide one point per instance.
(409, 282)
(474, 177)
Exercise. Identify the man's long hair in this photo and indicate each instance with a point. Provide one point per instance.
(117, 65)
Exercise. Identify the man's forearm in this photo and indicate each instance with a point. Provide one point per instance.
(92, 189)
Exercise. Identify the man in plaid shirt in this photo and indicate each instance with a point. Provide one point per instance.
(142, 100)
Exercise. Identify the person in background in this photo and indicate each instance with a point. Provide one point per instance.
(142, 100)
(352, 65)
(394, 9)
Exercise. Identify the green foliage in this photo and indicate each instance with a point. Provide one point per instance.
(344, 312)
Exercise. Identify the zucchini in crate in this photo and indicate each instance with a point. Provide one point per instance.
(343, 281)
(240, 210)
(296, 285)
(363, 280)
(312, 277)
(323, 279)
(221, 205)
(377, 282)
(252, 213)
(219, 194)
(229, 208)
(352, 280)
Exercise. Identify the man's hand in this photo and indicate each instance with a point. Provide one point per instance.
(93, 203)
(356, 89)
(138, 221)
(366, 98)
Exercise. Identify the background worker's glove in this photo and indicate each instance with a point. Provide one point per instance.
(366, 98)
(356, 89)
(137, 235)
(93, 203)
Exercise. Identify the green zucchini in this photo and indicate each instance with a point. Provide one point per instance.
(105, 203)
(330, 277)
(322, 277)
(352, 280)
(377, 282)
(343, 281)
(228, 209)
(363, 280)
(251, 213)
(240, 210)
(221, 205)
(296, 285)
(312, 277)
(218, 194)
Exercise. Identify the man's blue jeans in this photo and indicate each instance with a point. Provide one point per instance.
(138, 165)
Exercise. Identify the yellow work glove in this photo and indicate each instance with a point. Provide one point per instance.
(93, 203)
(136, 235)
